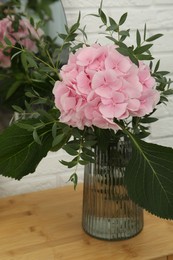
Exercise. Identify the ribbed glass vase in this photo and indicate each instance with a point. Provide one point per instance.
(108, 212)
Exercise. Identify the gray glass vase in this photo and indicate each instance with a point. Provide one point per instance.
(108, 212)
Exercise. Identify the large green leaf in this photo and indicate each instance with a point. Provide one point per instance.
(149, 177)
(19, 153)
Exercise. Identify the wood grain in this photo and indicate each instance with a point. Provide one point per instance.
(46, 225)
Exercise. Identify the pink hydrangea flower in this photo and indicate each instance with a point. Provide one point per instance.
(99, 84)
(26, 36)
(5, 30)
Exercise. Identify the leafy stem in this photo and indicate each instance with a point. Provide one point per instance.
(22, 50)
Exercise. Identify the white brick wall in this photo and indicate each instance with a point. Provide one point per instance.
(158, 15)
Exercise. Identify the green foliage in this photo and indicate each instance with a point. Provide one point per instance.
(20, 153)
(149, 177)
(79, 146)
(74, 178)
(27, 141)
(41, 7)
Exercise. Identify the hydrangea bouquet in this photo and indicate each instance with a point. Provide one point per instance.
(100, 85)
(25, 35)
(103, 92)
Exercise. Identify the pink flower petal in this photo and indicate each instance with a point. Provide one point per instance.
(100, 84)
(111, 110)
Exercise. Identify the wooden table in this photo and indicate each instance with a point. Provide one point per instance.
(46, 225)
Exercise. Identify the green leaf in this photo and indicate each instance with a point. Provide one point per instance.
(129, 53)
(74, 178)
(54, 130)
(123, 18)
(142, 49)
(138, 38)
(71, 37)
(112, 39)
(113, 25)
(26, 126)
(157, 66)
(18, 109)
(87, 157)
(168, 92)
(1, 45)
(83, 162)
(31, 62)
(154, 37)
(88, 151)
(76, 133)
(7, 41)
(89, 143)
(163, 73)
(142, 135)
(70, 150)
(134, 59)
(36, 137)
(163, 99)
(151, 65)
(124, 33)
(58, 139)
(74, 144)
(148, 120)
(31, 21)
(145, 31)
(24, 61)
(149, 177)
(123, 37)
(123, 51)
(15, 54)
(62, 36)
(75, 26)
(70, 164)
(144, 57)
(19, 153)
(29, 94)
(13, 88)
(66, 28)
(103, 16)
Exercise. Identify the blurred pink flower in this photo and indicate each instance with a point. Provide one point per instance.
(26, 35)
(5, 31)
(99, 84)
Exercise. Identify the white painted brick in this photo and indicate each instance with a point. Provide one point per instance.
(108, 3)
(153, 18)
(162, 128)
(164, 43)
(27, 184)
(165, 110)
(167, 141)
(161, 2)
(52, 163)
(4, 180)
(166, 61)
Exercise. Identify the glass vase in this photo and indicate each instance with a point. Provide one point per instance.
(108, 212)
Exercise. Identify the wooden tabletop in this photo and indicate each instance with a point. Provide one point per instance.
(46, 225)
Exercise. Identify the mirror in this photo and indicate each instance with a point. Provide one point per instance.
(57, 25)
(58, 22)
